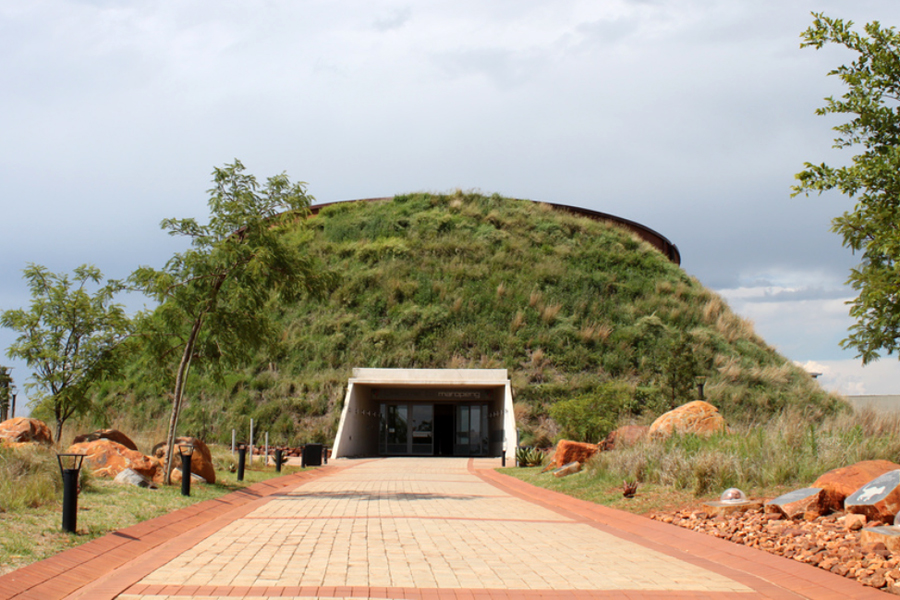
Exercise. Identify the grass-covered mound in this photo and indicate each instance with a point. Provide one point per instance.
(578, 310)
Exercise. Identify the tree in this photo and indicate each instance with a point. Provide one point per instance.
(681, 366)
(872, 178)
(67, 337)
(213, 296)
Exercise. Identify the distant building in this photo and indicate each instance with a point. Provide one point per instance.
(882, 402)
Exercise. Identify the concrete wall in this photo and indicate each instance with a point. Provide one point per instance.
(359, 425)
(883, 402)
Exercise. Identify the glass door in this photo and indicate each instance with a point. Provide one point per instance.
(407, 429)
(396, 428)
(422, 429)
(471, 430)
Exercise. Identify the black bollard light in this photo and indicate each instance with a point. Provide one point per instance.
(186, 450)
(279, 454)
(242, 458)
(70, 467)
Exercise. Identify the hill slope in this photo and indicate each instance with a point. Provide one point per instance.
(567, 304)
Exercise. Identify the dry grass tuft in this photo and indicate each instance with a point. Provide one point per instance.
(517, 322)
(712, 308)
(550, 312)
(593, 332)
(734, 328)
(729, 367)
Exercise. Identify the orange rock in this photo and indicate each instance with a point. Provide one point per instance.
(693, 417)
(567, 452)
(878, 499)
(624, 437)
(201, 460)
(113, 435)
(107, 459)
(24, 429)
(839, 483)
(797, 503)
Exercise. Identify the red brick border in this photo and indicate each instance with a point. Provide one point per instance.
(87, 565)
(424, 593)
(770, 575)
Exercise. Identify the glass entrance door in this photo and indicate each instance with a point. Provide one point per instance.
(471, 430)
(407, 429)
(396, 428)
(422, 429)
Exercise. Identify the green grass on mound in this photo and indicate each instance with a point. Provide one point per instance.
(569, 305)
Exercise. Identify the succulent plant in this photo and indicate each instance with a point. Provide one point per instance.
(629, 489)
(534, 458)
(526, 456)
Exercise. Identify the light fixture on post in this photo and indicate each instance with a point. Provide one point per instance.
(5, 384)
(70, 467)
(701, 381)
(186, 449)
(242, 459)
(12, 402)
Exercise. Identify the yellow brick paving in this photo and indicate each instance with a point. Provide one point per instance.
(421, 523)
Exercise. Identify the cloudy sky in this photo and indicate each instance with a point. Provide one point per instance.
(689, 116)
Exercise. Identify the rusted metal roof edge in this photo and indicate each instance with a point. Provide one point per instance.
(654, 238)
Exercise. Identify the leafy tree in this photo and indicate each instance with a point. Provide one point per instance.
(681, 367)
(66, 337)
(872, 178)
(213, 296)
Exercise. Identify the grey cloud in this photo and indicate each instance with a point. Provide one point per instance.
(505, 68)
(811, 293)
(396, 19)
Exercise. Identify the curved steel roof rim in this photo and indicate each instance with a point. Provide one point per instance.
(652, 237)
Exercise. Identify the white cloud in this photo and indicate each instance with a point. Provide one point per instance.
(850, 377)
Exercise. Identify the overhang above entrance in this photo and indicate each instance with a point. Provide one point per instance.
(434, 412)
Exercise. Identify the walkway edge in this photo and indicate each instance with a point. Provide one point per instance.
(794, 576)
(65, 573)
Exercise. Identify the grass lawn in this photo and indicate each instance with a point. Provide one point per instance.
(602, 488)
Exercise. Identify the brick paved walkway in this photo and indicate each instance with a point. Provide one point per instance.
(422, 529)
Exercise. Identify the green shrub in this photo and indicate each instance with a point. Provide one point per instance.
(591, 417)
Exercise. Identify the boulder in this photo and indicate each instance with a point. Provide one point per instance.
(201, 460)
(107, 459)
(568, 469)
(889, 536)
(176, 476)
(113, 435)
(879, 500)
(24, 429)
(132, 477)
(839, 483)
(795, 504)
(624, 437)
(694, 417)
(569, 452)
